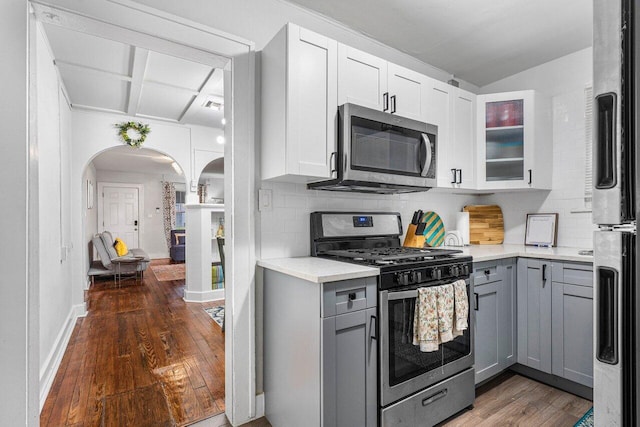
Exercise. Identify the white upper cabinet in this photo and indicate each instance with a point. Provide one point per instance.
(514, 141)
(453, 111)
(372, 82)
(299, 105)
(362, 78)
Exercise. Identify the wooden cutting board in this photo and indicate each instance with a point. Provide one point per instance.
(486, 224)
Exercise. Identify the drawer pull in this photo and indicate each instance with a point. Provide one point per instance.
(487, 272)
(352, 296)
(439, 395)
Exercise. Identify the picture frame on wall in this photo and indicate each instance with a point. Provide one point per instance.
(90, 193)
(542, 230)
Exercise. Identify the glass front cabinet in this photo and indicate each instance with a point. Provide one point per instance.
(514, 141)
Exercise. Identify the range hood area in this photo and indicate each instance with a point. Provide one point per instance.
(364, 187)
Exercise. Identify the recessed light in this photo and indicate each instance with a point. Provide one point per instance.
(220, 139)
(223, 121)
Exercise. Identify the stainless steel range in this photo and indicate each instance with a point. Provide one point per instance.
(415, 388)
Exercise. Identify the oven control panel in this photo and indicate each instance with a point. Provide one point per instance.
(446, 272)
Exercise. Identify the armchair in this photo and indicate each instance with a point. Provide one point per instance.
(176, 251)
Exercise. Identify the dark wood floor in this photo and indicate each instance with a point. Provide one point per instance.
(141, 357)
(513, 400)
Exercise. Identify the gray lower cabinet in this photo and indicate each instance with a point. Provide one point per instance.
(320, 357)
(350, 369)
(572, 320)
(534, 313)
(494, 327)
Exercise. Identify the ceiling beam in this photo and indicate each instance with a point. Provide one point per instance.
(138, 69)
(211, 86)
(62, 64)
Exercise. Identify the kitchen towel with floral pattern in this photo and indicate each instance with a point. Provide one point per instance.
(461, 314)
(425, 321)
(445, 312)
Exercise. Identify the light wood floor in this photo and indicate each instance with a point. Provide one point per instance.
(513, 400)
(141, 357)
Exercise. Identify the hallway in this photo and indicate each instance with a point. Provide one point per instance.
(141, 357)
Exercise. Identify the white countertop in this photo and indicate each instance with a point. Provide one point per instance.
(318, 270)
(490, 252)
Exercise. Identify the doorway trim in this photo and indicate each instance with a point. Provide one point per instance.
(184, 38)
(140, 188)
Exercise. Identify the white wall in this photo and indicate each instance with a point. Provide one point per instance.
(215, 188)
(564, 80)
(151, 228)
(56, 315)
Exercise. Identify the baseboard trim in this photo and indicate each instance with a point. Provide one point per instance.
(52, 363)
(554, 381)
(159, 256)
(204, 296)
(260, 405)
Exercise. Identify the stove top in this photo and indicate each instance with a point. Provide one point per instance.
(391, 255)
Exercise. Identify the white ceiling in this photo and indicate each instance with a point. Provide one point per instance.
(111, 76)
(477, 41)
(140, 160)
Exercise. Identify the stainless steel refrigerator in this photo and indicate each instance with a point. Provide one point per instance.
(616, 295)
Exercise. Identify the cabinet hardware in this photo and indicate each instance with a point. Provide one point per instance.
(530, 179)
(459, 176)
(393, 104)
(332, 165)
(544, 274)
(439, 395)
(374, 328)
(385, 101)
(454, 175)
(352, 296)
(487, 272)
(475, 294)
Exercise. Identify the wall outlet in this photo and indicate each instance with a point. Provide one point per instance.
(265, 200)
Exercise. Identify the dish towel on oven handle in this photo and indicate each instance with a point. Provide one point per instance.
(425, 321)
(461, 311)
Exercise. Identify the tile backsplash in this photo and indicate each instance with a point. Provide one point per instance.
(284, 230)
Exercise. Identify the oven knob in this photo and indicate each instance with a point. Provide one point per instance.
(436, 274)
(466, 270)
(453, 271)
(402, 279)
(418, 277)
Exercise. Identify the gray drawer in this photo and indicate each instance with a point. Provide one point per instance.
(435, 404)
(487, 272)
(573, 273)
(348, 296)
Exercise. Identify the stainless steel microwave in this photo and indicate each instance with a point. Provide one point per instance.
(380, 152)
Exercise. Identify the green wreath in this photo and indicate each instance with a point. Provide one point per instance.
(140, 128)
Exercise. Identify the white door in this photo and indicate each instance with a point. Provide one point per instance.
(407, 92)
(120, 213)
(362, 79)
(464, 137)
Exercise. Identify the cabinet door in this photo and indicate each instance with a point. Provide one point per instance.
(349, 386)
(439, 112)
(508, 313)
(407, 92)
(507, 141)
(462, 150)
(487, 326)
(362, 79)
(311, 103)
(573, 332)
(534, 314)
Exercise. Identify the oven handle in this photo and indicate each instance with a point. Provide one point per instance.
(392, 296)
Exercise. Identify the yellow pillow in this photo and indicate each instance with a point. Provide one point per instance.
(121, 248)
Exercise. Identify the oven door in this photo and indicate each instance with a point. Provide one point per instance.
(382, 148)
(404, 369)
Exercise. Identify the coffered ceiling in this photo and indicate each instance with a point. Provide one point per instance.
(116, 77)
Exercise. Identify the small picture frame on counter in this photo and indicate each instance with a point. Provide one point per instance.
(542, 230)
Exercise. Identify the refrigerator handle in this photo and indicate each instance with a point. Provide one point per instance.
(605, 150)
(607, 316)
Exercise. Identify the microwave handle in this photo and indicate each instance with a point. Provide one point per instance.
(427, 158)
